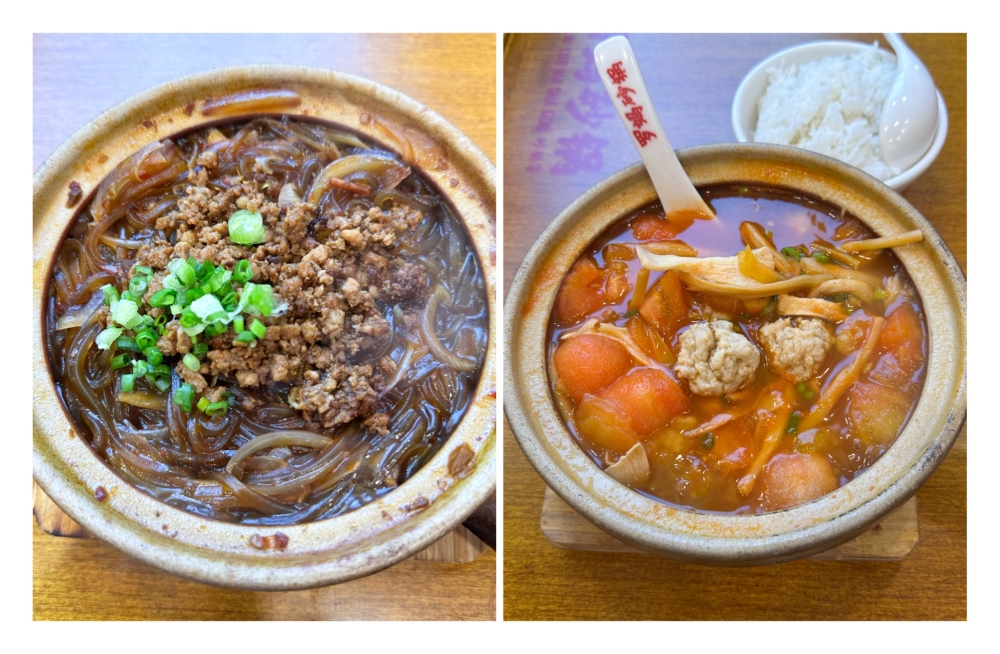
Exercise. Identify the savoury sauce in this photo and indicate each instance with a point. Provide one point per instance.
(703, 459)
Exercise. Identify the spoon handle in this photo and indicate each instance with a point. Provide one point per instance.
(623, 81)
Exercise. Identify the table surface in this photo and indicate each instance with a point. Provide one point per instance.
(560, 138)
(76, 77)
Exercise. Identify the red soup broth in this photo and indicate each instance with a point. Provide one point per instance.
(701, 449)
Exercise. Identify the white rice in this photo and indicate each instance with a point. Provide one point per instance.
(831, 106)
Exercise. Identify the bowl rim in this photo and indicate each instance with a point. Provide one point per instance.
(381, 533)
(706, 538)
(828, 48)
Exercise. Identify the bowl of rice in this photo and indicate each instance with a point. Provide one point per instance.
(827, 97)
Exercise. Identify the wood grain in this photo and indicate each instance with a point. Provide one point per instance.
(77, 76)
(692, 79)
(890, 540)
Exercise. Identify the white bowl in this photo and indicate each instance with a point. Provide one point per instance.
(752, 87)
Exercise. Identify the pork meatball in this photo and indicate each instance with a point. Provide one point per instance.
(796, 350)
(715, 359)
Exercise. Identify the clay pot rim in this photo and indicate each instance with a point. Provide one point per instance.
(383, 532)
(749, 539)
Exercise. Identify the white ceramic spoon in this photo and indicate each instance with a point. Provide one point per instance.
(910, 113)
(623, 82)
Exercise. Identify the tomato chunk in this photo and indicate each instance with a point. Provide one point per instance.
(791, 479)
(653, 228)
(581, 293)
(903, 335)
(732, 447)
(590, 362)
(876, 413)
(666, 305)
(649, 397)
(604, 424)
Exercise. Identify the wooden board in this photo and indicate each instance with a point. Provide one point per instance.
(890, 540)
(457, 546)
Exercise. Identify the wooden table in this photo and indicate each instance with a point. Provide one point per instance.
(560, 138)
(79, 76)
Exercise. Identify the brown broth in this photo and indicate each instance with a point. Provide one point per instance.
(685, 473)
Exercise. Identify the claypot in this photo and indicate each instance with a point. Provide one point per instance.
(742, 539)
(381, 533)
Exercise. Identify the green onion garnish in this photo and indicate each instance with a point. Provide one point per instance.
(247, 227)
(137, 287)
(107, 337)
(183, 397)
(128, 383)
(145, 338)
(791, 253)
(125, 312)
(708, 441)
(162, 385)
(216, 407)
(163, 297)
(793, 423)
(127, 343)
(204, 270)
(245, 337)
(822, 257)
(153, 355)
(160, 369)
(182, 270)
(189, 318)
(238, 325)
(203, 403)
(120, 361)
(110, 293)
(191, 361)
(126, 295)
(143, 270)
(140, 368)
(258, 328)
(243, 271)
(200, 350)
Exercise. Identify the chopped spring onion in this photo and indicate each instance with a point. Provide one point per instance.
(128, 383)
(127, 343)
(203, 403)
(125, 313)
(708, 441)
(822, 257)
(189, 318)
(793, 423)
(247, 227)
(145, 338)
(184, 396)
(792, 253)
(140, 368)
(216, 407)
(238, 325)
(206, 306)
(192, 362)
(204, 270)
(182, 270)
(107, 337)
(153, 355)
(243, 271)
(258, 328)
(120, 361)
(110, 293)
(163, 297)
(245, 337)
(137, 287)
(200, 350)
(144, 270)
(162, 384)
(160, 369)
(257, 299)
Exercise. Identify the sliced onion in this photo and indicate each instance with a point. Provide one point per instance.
(288, 196)
(145, 400)
(76, 316)
(289, 438)
(390, 172)
(256, 101)
(429, 335)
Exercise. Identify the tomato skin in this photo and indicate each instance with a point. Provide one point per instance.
(876, 413)
(666, 305)
(604, 424)
(581, 293)
(792, 479)
(653, 228)
(590, 362)
(903, 336)
(649, 397)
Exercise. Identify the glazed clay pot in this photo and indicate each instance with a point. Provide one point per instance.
(428, 505)
(741, 539)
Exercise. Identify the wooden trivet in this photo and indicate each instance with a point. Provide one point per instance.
(890, 540)
(457, 546)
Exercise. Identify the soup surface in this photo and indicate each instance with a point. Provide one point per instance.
(267, 322)
(743, 364)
